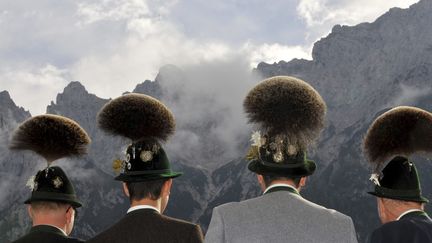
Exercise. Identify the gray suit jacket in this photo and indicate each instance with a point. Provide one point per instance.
(279, 216)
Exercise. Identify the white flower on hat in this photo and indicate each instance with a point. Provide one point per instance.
(375, 178)
(31, 183)
(257, 139)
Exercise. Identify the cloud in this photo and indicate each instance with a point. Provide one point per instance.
(276, 52)
(206, 100)
(111, 45)
(408, 95)
(112, 10)
(148, 45)
(321, 15)
(30, 88)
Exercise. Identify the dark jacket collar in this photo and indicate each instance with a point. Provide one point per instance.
(47, 229)
(415, 214)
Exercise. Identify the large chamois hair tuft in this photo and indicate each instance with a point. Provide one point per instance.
(400, 131)
(288, 106)
(137, 116)
(51, 136)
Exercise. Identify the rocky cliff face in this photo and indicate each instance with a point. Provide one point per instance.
(360, 71)
(13, 168)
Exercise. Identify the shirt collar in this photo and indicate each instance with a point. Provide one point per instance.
(407, 212)
(142, 207)
(280, 184)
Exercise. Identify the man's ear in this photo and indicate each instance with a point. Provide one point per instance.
(69, 213)
(302, 182)
(261, 182)
(166, 188)
(125, 189)
(30, 211)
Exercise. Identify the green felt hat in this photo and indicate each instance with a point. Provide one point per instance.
(272, 156)
(145, 160)
(400, 181)
(52, 184)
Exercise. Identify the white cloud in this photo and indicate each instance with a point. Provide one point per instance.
(271, 53)
(321, 15)
(112, 10)
(32, 88)
(111, 45)
(408, 95)
(148, 45)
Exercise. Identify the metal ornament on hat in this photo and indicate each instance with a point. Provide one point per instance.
(145, 156)
(120, 165)
(148, 155)
(274, 147)
(57, 182)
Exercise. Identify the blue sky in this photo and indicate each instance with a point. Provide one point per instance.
(111, 45)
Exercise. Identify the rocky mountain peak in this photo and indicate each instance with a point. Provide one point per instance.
(74, 87)
(10, 113)
(4, 96)
(77, 103)
(148, 87)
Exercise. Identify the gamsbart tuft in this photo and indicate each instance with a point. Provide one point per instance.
(51, 136)
(400, 131)
(287, 105)
(136, 116)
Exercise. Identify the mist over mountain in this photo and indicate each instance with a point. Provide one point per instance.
(360, 71)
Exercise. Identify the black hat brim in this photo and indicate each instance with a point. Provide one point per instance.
(54, 197)
(306, 168)
(400, 196)
(126, 177)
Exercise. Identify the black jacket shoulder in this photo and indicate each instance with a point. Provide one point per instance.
(413, 229)
(146, 225)
(46, 234)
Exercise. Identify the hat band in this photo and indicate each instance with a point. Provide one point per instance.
(297, 162)
(401, 193)
(147, 172)
(53, 196)
(282, 166)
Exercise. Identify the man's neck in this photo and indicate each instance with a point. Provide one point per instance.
(408, 211)
(288, 183)
(398, 213)
(59, 226)
(153, 203)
